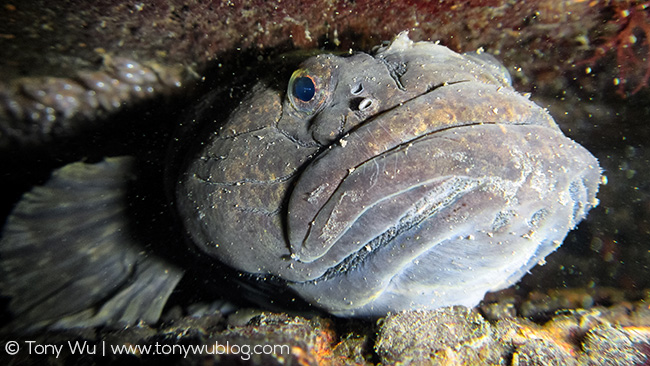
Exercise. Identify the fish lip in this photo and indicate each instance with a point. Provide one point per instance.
(367, 273)
(383, 239)
(386, 236)
(401, 124)
(299, 254)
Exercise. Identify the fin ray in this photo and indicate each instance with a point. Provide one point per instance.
(68, 256)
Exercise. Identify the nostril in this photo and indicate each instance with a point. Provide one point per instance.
(356, 89)
(361, 104)
(365, 104)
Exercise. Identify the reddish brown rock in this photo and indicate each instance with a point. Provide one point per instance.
(47, 47)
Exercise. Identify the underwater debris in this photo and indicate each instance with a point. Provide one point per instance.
(631, 44)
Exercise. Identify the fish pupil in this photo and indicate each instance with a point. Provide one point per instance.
(304, 88)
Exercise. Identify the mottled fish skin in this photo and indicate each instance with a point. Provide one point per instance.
(413, 178)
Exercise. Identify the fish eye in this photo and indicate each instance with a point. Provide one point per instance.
(304, 88)
(311, 86)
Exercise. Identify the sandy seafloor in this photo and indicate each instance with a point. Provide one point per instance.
(585, 61)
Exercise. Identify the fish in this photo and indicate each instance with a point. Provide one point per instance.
(412, 177)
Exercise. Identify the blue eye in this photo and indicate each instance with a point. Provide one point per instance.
(304, 88)
(311, 86)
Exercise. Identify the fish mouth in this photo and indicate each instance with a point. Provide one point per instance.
(363, 140)
(377, 162)
(388, 203)
(419, 203)
(455, 213)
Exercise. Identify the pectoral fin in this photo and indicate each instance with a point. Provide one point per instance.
(68, 256)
